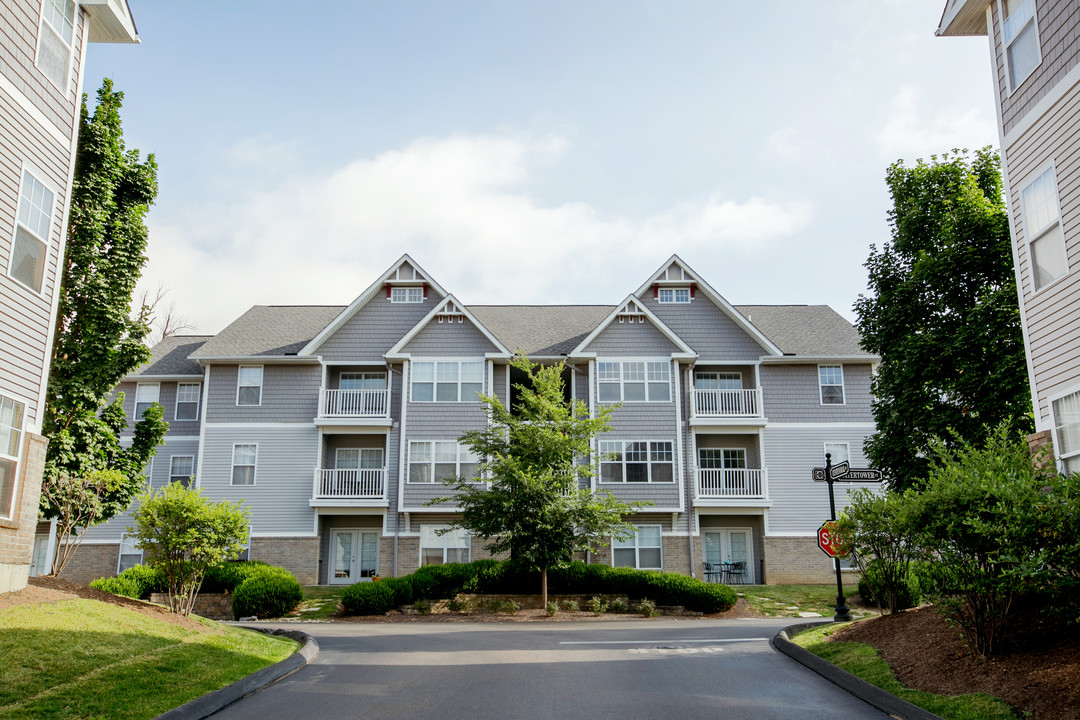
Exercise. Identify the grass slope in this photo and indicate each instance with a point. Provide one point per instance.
(87, 659)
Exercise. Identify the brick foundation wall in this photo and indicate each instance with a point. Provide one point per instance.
(797, 560)
(215, 606)
(676, 551)
(17, 533)
(91, 562)
(300, 556)
(1037, 443)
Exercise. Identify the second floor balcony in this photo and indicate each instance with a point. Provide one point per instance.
(365, 486)
(354, 404)
(710, 403)
(732, 484)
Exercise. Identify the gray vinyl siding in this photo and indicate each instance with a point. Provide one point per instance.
(791, 393)
(747, 442)
(167, 400)
(646, 421)
(800, 505)
(435, 421)
(498, 376)
(290, 393)
(631, 340)
(375, 328)
(449, 339)
(707, 329)
(284, 475)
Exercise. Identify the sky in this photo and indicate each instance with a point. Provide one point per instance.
(552, 152)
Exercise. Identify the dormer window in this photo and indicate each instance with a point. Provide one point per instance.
(673, 295)
(406, 294)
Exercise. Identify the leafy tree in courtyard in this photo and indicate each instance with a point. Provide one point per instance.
(534, 508)
(88, 475)
(942, 314)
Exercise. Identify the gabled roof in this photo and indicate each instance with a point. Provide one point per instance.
(449, 304)
(169, 358)
(633, 305)
(541, 331)
(963, 17)
(365, 297)
(716, 298)
(269, 331)
(807, 330)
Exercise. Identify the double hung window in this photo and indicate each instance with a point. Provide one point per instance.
(1067, 431)
(32, 226)
(130, 556)
(643, 551)
(406, 294)
(673, 295)
(359, 459)
(838, 452)
(55, 41)
(717, 380)
(187, 401)
(831, 381)
(448, 547)
(1045, 239)
(447, 380)
(249, 385)
(11, 428)
(1021, 37)
(432, 461)
(722, 458)
(146, 394)
(636, 461)
(243, 464)
(181, 469)
(634, 381)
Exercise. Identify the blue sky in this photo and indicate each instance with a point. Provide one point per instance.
(553, 152)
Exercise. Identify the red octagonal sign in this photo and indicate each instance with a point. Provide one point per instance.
(828, 539)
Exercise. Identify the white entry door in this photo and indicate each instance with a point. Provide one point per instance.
(731, 545)
(354, 556)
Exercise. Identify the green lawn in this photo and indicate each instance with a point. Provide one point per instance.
(863, 661)
(790, 600)
(87, 659)
(319, 603)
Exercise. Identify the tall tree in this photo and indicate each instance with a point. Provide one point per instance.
(98, 339)
(532, 458)
(942, 313)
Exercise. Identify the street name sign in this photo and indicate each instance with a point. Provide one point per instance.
(849, 474)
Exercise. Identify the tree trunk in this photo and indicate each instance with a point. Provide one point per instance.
(543, 587)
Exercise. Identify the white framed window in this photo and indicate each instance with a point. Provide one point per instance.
(11, 432)
(643, 551)
(358, 459)
(146, 394)
(55, 41)
(722, 458)
(432, 461)
(838, 452)
(634, 381)
(406, 294)
(249, 382)
(187, 401)
(831, 381)
(1067, 431)
(244, 459)
(30, 249)
(148, 471)
(1020, 35)
(181, 469)
(449, 547)
(679, 295)
(708, 380)
(362, 381)
(447, 380)
(636, 461)
(1046, 242)
(130, 556)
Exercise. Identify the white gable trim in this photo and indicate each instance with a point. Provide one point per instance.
(685, 351)
(449, 304)
(373, 290)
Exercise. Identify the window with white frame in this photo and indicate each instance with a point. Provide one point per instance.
(358, 459)
(432, 461)
(438, 548)
(249, 382)
(673, 295)
(1046, 243)
(146, 394)
(831, 380)
(447, 380)
(181, 469)
(717, 380)
(636, 461)
(11, 430)
(187, 401)
(642, 551)
(55, 41)
(130, 556)
(634, 381)
(32, 227)
(406, 294)
(244, 458)
(1020, 34)
(148, 471)
(722, 458)
(362, 381)
(838, 452)
(1067, 431)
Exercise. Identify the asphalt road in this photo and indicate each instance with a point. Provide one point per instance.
(597, 670)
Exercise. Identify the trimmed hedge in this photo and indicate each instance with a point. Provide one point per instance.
(137, 582)
(269, 593)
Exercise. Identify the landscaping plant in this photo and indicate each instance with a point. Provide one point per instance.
(878, 528)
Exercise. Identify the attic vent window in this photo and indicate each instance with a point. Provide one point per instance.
(406, 294)
(677, 295)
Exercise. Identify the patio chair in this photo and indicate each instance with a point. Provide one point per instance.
(712, 572)
(737, 573)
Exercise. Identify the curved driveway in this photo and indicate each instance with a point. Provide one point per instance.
(677, 669)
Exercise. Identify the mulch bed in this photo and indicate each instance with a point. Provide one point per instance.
(926, 654)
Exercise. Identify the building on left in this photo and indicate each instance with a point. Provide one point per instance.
(42, 57)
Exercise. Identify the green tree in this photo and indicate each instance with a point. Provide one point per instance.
(182, 534)
(532, 458)
(878, 528)
(942, 314)
(97, 340)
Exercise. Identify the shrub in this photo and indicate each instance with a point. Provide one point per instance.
(118, 585)
(369, 598)
(137, 582)
(879, 528)
(619, 606)
(647, 608)
(461, 605)
(552, 608)
(879, 582)
(267, 594)
(422, 606)
(596, 605)
(507, 606)
(227, 576)
(570, 606)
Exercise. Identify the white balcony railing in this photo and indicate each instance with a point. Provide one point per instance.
(727, 403)
(350, 484)
(354, 403)
(731, 483)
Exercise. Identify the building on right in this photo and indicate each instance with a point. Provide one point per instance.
(1035, 60)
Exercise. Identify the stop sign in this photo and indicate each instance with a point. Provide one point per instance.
(828, 539)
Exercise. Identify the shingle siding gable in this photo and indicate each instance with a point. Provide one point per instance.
(707, 329)
(375, 328)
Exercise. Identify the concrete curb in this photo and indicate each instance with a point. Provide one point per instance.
(207, 705)
(872, 694)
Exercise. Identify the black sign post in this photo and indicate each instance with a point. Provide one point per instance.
(843, 614)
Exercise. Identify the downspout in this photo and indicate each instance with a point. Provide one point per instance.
(401, 459)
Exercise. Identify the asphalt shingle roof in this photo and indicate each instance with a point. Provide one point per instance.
(270, 330)
(541, 330)
(170, 356)
(805, 330)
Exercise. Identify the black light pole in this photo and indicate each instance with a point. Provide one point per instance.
(843, 614)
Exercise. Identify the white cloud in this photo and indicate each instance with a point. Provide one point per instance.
(913, 131)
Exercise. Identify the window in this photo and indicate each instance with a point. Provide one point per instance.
(407, 295)
(438, 460)
(718, 380)
(146, 394)
(249, 385)
(722, 458)
(130, 556)
(838, 452)
(1045, 239)
(673, 295)
(449, 547)
(243, 464)
(181, 469)
(54, 43)
(1020, 35)
(11, 420)
(447, 381)
(634, 381)
(831, 379)
(187, 401)
(642, 551)
(636, 461)
(31, 233)
(1066, 431)
(359, 459)
(362, 381)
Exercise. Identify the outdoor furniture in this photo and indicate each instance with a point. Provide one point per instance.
(736, 572)
(713, 572)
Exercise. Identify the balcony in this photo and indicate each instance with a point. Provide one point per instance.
(727, 403)
(732, 486)
(354, 407)
(341, 488)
